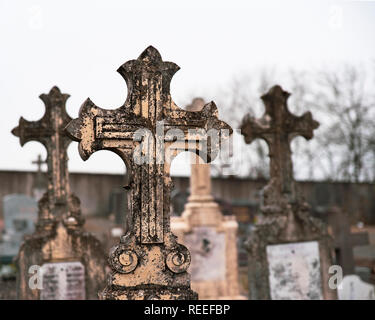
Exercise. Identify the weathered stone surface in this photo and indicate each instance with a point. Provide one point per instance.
(148, 263)
(286, 214)
(295, 271)
(210, 236)
(59, 234)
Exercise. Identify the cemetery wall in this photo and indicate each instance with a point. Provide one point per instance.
(94, 192)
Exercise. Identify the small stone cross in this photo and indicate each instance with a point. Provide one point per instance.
(39, 163)
(49, 131)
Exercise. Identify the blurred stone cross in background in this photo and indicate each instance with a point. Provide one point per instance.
(288, 240)
(39, 163)
(40, 183)
(278, 127)
(147, 132)
(59, 245)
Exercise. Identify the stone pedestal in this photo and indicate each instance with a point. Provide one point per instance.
(211, 239)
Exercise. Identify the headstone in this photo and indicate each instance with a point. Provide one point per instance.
(353, 288)
(289, 250)
(210, 236)
(59, 236)
(345, 241)
(147, 132)
(20, 215)
(40, 183)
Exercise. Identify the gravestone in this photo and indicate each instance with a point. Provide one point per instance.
(210, 236)
(147, 132)
(20, 215)
(290, 252)
(59, 236)
(353, 288)
(345, 241)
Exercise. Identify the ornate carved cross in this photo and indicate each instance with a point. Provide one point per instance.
(140, 133)
(49, 131)
(278, 127)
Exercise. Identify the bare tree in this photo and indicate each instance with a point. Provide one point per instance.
(348, 113)
(343, 147)
(242, 96)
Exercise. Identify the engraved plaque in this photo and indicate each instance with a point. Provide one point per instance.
(294, 271)
(207, 249)
(63, 281)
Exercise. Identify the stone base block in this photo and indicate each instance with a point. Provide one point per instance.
(156, 293)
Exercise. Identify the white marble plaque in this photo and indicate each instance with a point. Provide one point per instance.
(294, 271)
(207, 248)
(353, 288)
(63, 281)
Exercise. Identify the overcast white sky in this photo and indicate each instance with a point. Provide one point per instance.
(78, 46)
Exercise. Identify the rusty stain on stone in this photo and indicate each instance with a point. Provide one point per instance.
(287, 217)
(148, 263)
(59, 234)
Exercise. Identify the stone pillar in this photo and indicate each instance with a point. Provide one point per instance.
(210, 236)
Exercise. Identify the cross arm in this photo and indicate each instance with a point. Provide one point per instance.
(41, 129)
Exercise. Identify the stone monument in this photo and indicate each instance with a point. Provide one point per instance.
(147, 132)
(71, 261)
(290, 252)
(210, 236)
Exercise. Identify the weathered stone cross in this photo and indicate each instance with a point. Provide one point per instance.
(49, 131)
(59, 236)
(287, 220)
(147, 132)
(278, 127)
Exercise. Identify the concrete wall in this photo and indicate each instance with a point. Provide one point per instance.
(94, 191)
